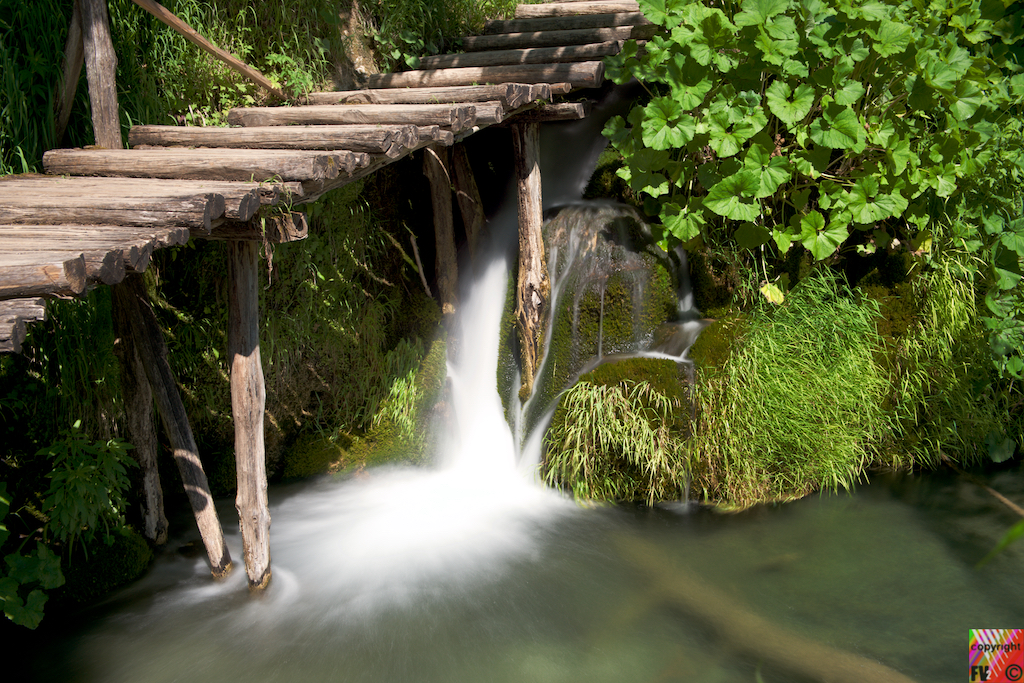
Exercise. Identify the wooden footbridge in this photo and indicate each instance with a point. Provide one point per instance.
(99, 213)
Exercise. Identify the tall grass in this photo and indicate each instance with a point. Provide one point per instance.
(800, 405)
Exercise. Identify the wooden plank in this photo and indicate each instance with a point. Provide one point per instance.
(207, 164)
(450, 116)
(15, 315)
(579, 74)
(100, 68)
(564, 23)
(357, 138)
(248, 399)
(60, 276)
(191, 35)
(74, 58)
(560, 38)
(530, 55)
(563, 9)
(511, 95)
(131, 297)
(560, 111)
(103, 264)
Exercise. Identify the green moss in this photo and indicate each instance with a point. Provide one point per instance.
(92, 574)
(606, 183)
(314, 454)
(716, 342)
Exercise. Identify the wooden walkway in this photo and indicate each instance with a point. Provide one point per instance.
(98, 214)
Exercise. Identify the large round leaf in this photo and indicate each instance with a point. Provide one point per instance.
(733, 197)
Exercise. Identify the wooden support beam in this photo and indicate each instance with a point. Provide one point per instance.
(557, 39)
(455, 117)
(100, 69)
(138, 407)
(276, 229)
(468, 196)
(436, 169)
(74, 57)
(248, 400)
(579, 74)
(532, 284)
(561, 111)
(529, 55)
(131, 297)
(564, 9)
(511, 95)
(564, 23)
(15, 315)
(191, 35)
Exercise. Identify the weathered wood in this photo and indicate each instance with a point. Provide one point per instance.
(511, 95)
(579, 74)
(561, 111)
(61, 275)
(532, 285)
(207, 164)
(749, 634)
(436, 169)
(557, 39)
(131, 296)
(137, 244)
(530, 55)
(15, 315)
(355, 138)
(191, 35)
(564, 23)
(563, 9)
(437, 134)
(100, 69)
(248, 399)
(138, 408)
(276, 229)
(74, 58)
(456, 117)
(468, 196)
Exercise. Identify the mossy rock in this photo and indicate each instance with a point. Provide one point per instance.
(314, 454)
(716, 342)
(93, 573)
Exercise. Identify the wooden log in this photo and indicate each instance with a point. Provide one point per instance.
(100, 69)
(530, 55)
(191, 35)
(74, 58)
(566, 23)
(560, 88)
(532, 285)
(511, 95)
(132, 297)
(15, 315)
(138, 408)
(467, 194)
(207, 164)
(564, 9)
(435, 168)
(746, 632)
(62, 275)
(579, 74)
(355, 138)
(276, 229)
(137, 245)
(438, 135)
(561, 111)
(557, 39)
(248, 399)
(450, 116)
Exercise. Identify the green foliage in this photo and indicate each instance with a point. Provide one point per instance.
(101, 567)
(779, 122)
(88, 483)
(800, 405)
(616, 442)
(25, 578)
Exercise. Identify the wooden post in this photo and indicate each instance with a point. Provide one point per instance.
(131, 296)
(468, 196)
(248, 400)
(532, 285)
(74, 56)
(138, 404)
(100, 68)
(436, 170)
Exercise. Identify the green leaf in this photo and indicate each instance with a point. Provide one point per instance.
(790, 107)
(751, 236)
(838, 128)
(756, 12)
(773, 293)
(891, 38)
(28, 614)
(1000, 447)
(728, 197)
(813, 162)
(849, 93)
(1015, 532)
(783, 240)
(665, 126)
(683, 223)
(819, 240)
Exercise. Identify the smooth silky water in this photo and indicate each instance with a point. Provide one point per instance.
(470, 571)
